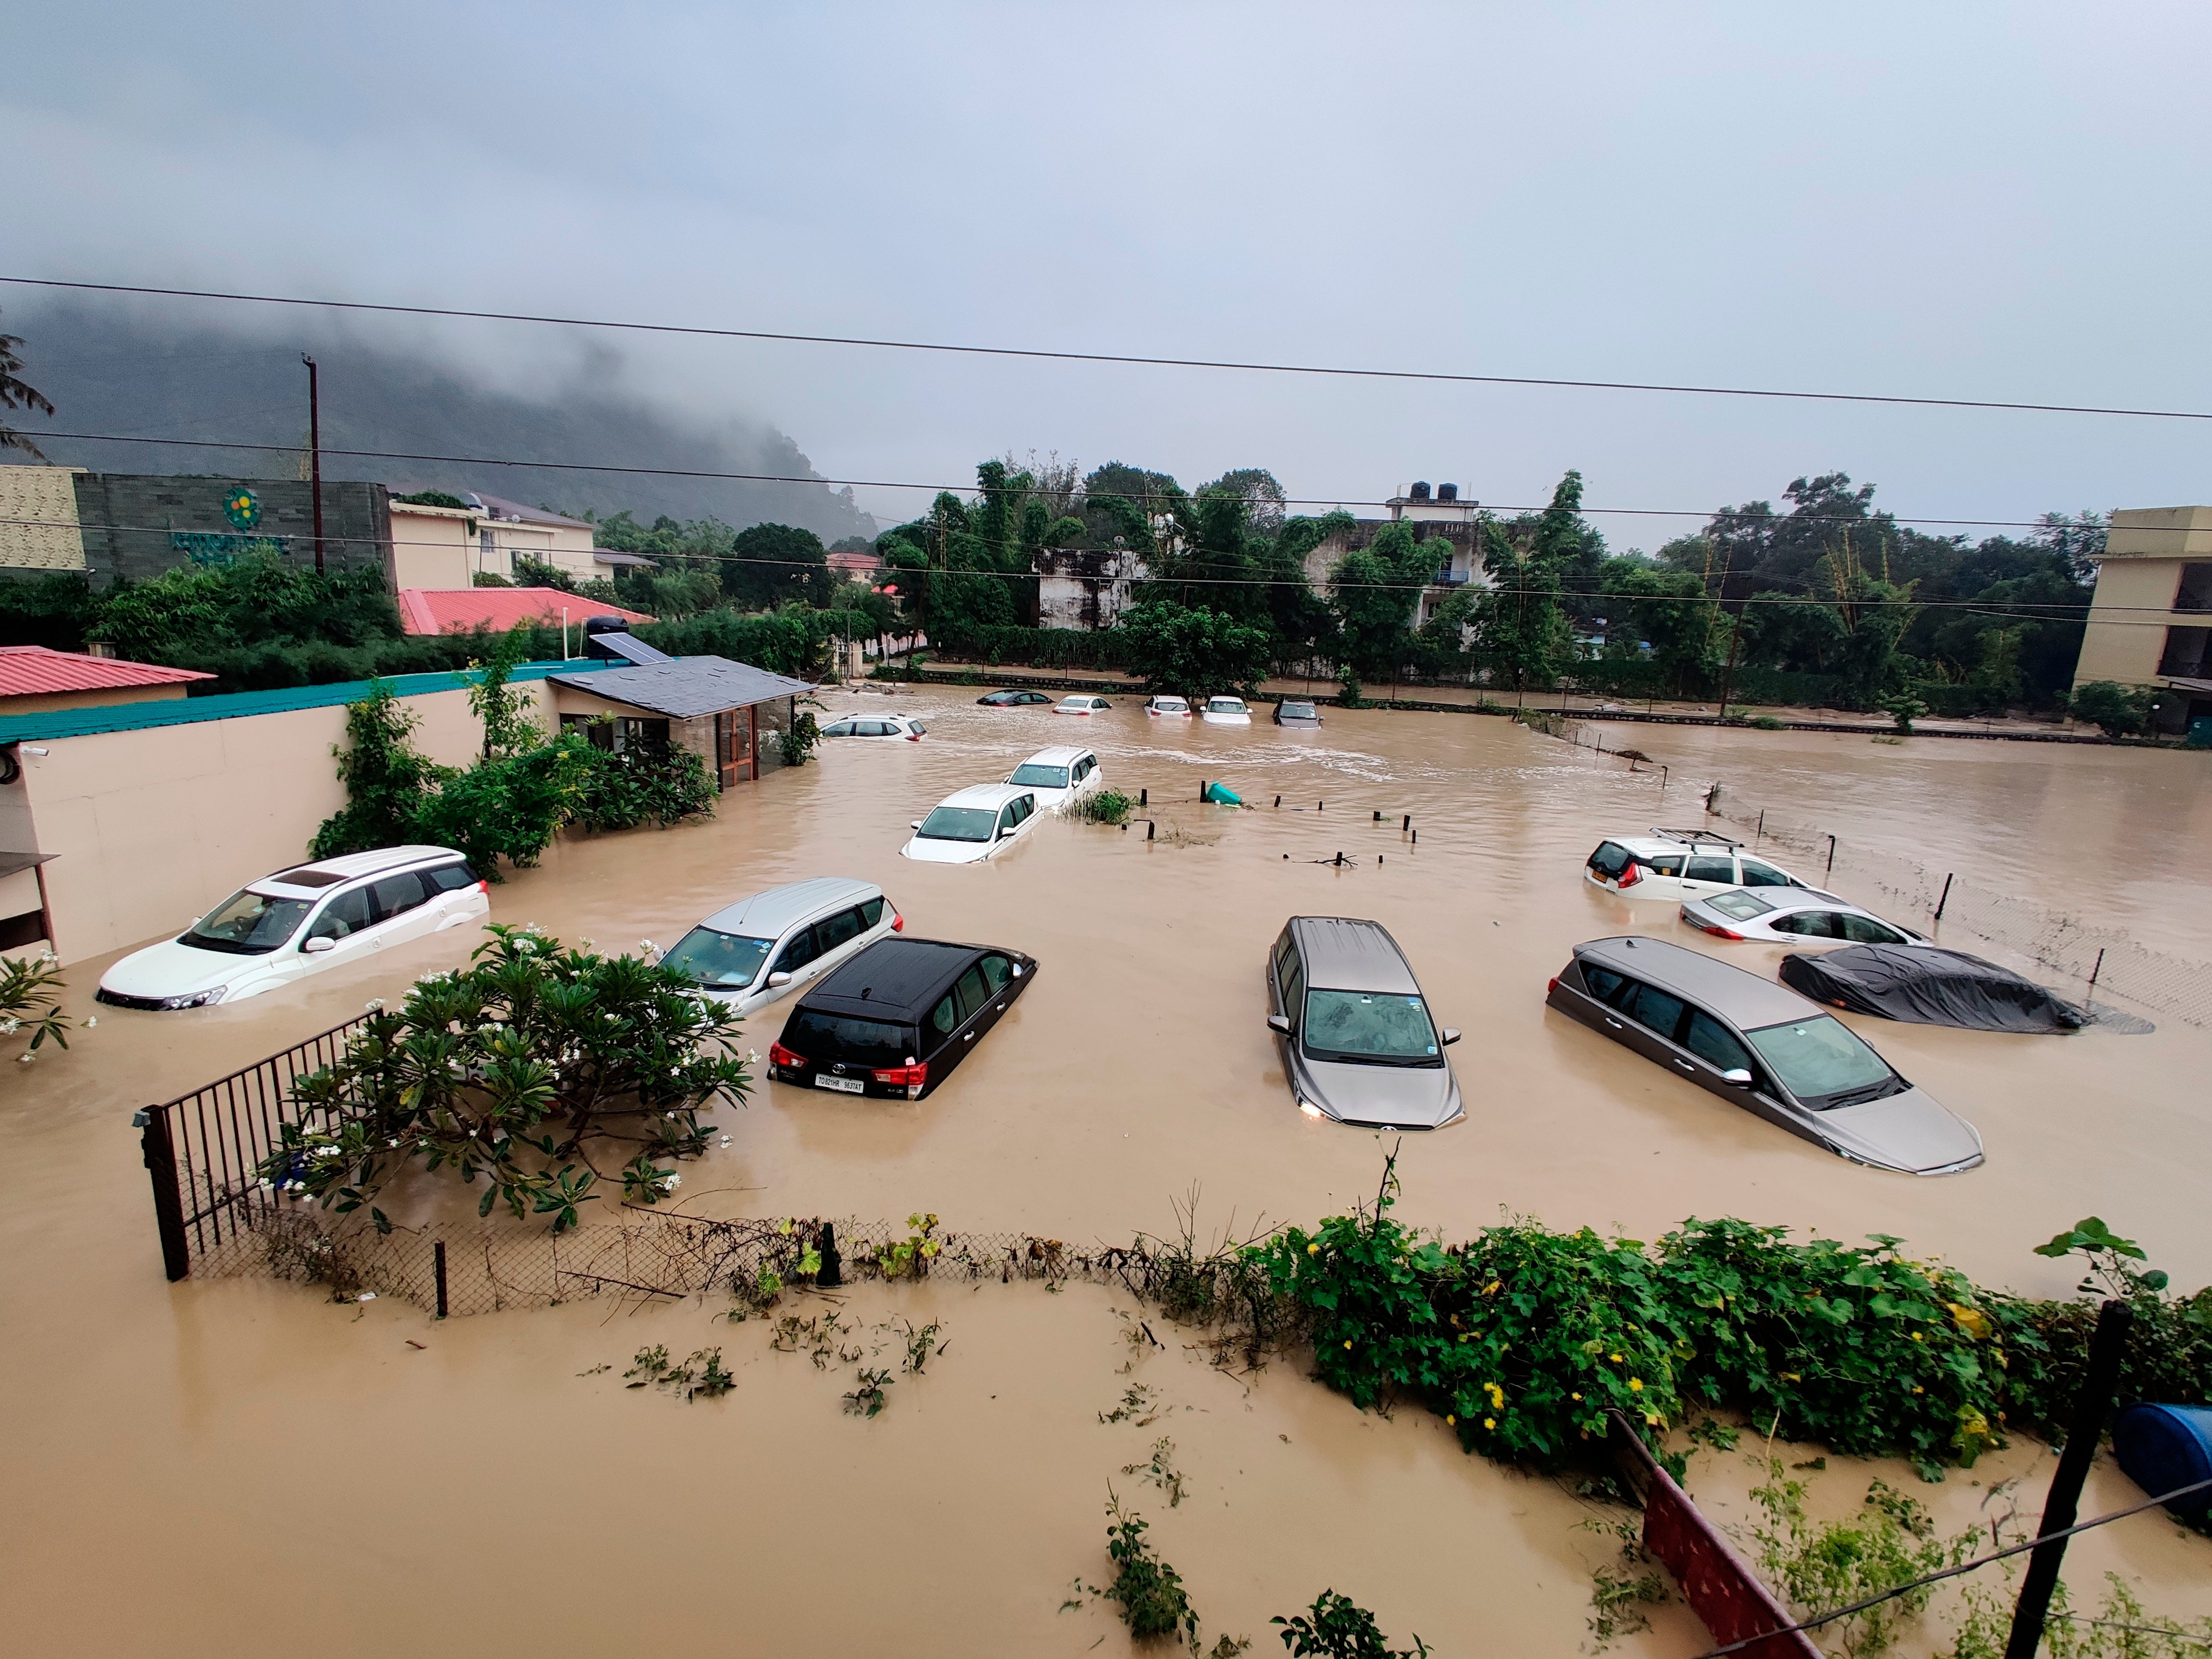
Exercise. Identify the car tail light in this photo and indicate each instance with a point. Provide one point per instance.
(1631, 875)
(1714, 928)
(912, 1078)
(898, 922)
(1553, 987)
(484, 887)
(913, 737)
(779, 1055)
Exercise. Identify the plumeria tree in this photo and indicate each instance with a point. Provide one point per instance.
(541, 1069)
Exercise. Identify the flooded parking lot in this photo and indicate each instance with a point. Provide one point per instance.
(303, 1465)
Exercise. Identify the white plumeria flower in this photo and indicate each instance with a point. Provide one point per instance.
(91, 1020)
(373, 1005)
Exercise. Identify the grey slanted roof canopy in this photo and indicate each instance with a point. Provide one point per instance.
(627, 646)
(685, 688)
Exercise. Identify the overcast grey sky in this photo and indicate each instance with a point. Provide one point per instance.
(2003, 201)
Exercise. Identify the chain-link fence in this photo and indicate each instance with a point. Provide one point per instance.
(453, 1271)
(2096, 962)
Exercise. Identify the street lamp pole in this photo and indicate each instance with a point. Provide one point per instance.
(315, 456)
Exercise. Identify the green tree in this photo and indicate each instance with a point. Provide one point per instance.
(2119, 711)
(1522, 629)
(769, 564)
(1188, 652)
(1667, 611)
(542, 1070)
(386, 780)
(1375, 592)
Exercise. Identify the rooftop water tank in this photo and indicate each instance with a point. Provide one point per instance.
(1447, 492)
(1420, 492)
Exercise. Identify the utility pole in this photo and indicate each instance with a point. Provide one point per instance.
(1727, 674)
(315, 456)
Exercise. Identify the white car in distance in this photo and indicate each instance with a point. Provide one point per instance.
(1677, 865)
(1058, 775)
(751, 953)
(894, 727)
(1226, 711)
(305, 920)
(1081, 705)
(1168, 709)
(1792, 915)
(972, 825)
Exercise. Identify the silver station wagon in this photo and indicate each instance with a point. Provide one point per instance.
(1764, 1048)
(1357, 1040)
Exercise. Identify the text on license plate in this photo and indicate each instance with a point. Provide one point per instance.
(843, 1085)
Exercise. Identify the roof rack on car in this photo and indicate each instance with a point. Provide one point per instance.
(1693, 836)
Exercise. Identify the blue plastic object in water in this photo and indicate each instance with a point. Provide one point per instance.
(1221, 797)
(2163, 1447)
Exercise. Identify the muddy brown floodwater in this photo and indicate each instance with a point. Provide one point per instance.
(205, 1469)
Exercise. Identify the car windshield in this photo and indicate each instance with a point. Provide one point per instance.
(822, 1037)
(1738, 906)
(1373, 1028)
(959, 823)
(1040, 777)
(1823, 1063)
(247, 924)
(707, 957)
(1225, 705)
(1297, 708)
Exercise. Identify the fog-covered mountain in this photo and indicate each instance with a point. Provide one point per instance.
(139, 373)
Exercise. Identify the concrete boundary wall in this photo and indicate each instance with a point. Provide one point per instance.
(149, 827)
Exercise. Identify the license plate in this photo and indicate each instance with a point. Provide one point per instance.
(843, 1085)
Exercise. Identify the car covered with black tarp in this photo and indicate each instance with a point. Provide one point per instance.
(1929, 986)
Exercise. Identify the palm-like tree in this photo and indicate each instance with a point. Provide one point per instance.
(15, 394)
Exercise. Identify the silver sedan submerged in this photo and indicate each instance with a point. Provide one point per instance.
(1357, 1040)
(1764, 1048)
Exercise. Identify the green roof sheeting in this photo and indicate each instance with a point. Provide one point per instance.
(188, 711)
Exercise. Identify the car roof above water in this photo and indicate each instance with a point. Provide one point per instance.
(322, 875)
(767, 914)
(1342, 953)
(900, 977)
(985, 794)
(1730, 992)
(1059, 756)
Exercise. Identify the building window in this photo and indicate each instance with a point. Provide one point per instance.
(2185, 653)
(621, 734)
(2195, 592)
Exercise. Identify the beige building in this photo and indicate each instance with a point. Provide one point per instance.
(37, 519)
(449, 547)
(2150, 621)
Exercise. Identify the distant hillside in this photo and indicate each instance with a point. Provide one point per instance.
(125, 372)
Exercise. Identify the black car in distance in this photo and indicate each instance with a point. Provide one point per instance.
(894, 1021)
(1012, 699)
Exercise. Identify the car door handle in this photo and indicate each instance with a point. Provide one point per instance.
(970, 1038)
(1686, 1066)
(1615, 1023)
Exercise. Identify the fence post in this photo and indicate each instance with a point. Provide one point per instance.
(1831, 855)
(438, 1271)
(2098, 969)
(1761, 836)
(2090, 1408)
(832, 1271)
(161, 1155)
(1945, 900)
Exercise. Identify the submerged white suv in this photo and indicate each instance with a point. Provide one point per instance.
(301, 922)
(1676, 865)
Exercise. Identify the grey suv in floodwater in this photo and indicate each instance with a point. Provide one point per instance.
(1765, 1047)
(1357, 1040)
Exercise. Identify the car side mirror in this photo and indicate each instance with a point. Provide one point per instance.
(318, 944)
(777, 978)
(1281, 1023)
(1450, 1035)
(1736, 1076)
(916, 824)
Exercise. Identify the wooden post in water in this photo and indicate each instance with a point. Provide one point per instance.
(438, 1272)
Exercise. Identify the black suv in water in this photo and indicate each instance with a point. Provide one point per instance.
(897, 1017)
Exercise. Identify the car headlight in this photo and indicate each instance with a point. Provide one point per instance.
(198, 1000)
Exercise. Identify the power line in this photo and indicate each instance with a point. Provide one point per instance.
(2017, 611)
(1146, 496)
(1329, 370)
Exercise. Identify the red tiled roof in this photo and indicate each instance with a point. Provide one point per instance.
(32, 670)
(853, 561)
(463, 610)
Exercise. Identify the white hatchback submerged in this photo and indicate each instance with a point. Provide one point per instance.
(1081, 705)
(1168, 708)
(1226, 711)
(299, 921)
(1676, 864)
(972, 825)
(751, 953)
(1058, 775)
